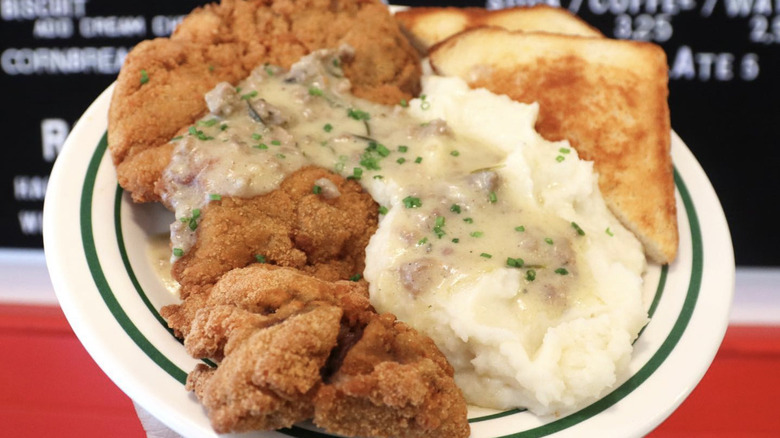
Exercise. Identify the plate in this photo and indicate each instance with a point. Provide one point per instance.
(97, 244)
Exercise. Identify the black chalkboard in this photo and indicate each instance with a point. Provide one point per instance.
(56, 56)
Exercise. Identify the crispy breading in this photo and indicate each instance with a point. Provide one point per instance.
(290, 226)
(268, 379)
(292, 347)
(392, 382)
(224, 42)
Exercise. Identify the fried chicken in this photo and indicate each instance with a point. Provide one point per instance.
(290, 226)
(292, 347)
(159, 91)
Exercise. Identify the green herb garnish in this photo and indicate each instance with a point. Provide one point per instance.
(412, 202)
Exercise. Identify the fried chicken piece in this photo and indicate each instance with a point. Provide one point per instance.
(291, 226)
(292, 346)
(268, 379)
(392, 382)
(159, 91)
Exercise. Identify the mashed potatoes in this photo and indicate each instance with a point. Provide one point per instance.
(537, 302)
(492, 241)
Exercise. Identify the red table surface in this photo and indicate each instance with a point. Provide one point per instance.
(51, 387)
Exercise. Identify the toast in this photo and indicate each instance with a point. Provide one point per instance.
(426, 26)
(607, 97)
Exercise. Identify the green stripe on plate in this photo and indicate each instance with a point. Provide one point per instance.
(99, 277)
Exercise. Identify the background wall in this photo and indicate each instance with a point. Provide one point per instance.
(56, 56)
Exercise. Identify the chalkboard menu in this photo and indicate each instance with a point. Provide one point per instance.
(56, 56)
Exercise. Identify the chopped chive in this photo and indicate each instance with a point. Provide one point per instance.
(486, 255)
(211, 68)
(382, 150)
(564, 150)
(468, 220)
(314, 91)
(261, 146)
(455, 208)
(223, 127)
(177, 138)
(515, 263)
(178, 252)
(276, 142)
(579, 230)
(378, 176)
(356, 277)
(249, 95)
(492, 198)
(401, 160)
(215, 197)
(358, 114)
(454, 153)
(437, 227)
(382, 209)
(412, 202)
(404, 103)
(328, 127)
(198, 133)
(424, 104)
(209, 122)
(260, 258)
(144, 77)
(476, 234)
(418, 160)
(561, 271)
(548, 240)
(560, 158)
(403, 148)
(609, 232)
(520, 228)
(422, 241)
(357, 172)
(256, 136)
(455, 240)
(316, 189)
(530, 275)
(281, 156)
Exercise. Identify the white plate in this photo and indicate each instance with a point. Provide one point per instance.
(96, 243)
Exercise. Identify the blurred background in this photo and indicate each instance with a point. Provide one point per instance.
(56, 56)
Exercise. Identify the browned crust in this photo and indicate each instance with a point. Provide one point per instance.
(224, 42)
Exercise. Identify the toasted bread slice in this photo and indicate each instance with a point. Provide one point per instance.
(607, 97)
(427, 26)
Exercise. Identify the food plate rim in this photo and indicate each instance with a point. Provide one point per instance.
(96, 159)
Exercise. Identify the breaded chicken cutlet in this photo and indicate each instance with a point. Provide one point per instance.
(290, 226)
(159, 91)
(293, 347)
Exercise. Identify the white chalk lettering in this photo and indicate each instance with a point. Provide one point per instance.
(164, 25)
(744, 8)
(709, 66)
(66, 60)
(20, 10)
(53, 135)
(749, 67)
(30, 188)
(50, 28)
(112, 27)
(30, 222)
